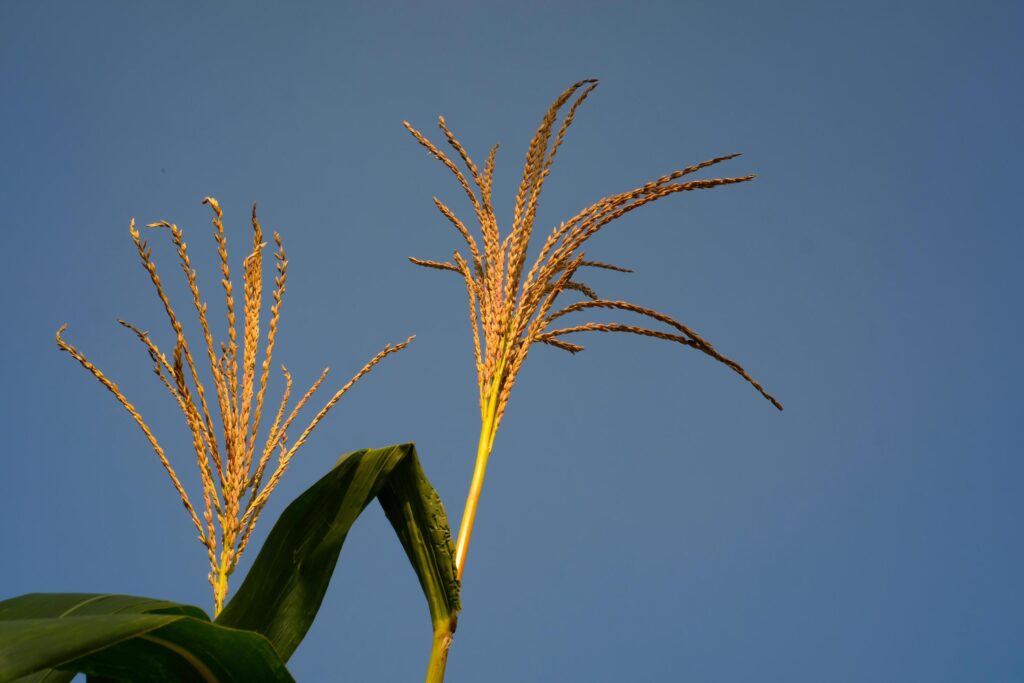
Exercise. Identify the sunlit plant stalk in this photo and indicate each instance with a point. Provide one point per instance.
(234, 490)
(509, 312)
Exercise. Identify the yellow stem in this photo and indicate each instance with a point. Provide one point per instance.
(483, 451)
(488, 426)
(220, 591)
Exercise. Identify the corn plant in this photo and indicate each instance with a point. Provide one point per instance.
(511, 308)
(241, 454)
(53, 636)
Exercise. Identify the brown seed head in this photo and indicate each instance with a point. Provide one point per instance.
(509, 312)
(232, 484)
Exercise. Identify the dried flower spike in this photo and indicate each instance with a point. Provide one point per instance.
(509, 312)
(232, 477)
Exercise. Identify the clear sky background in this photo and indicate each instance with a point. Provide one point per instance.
(647, 516)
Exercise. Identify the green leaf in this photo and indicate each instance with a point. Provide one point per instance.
(39, 605)
(287, 582)
(50, 637)
(51, 676)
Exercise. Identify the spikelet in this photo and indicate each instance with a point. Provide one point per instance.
(509, 312)
(234, 491)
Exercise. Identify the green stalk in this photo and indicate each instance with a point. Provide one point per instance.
(439, 653)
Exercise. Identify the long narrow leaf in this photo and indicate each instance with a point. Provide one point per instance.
(51, 637)
(40, 605)
(287, 582)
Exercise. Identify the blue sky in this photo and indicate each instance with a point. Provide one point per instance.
(646, 516)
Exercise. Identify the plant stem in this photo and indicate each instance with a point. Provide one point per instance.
(220, 591)
(443, 632)
(439, 653)
(483, 451)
